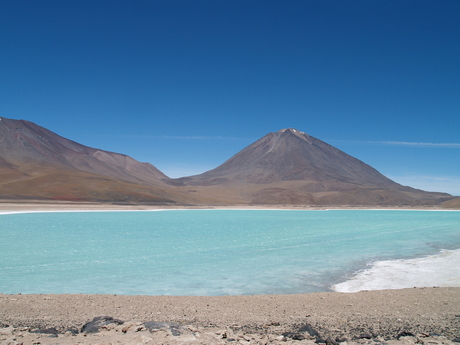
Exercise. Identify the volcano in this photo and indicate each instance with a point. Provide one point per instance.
(292, 167)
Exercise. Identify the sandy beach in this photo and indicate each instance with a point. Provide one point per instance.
(406, 316)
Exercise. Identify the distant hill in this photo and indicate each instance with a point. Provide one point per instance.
(36, 163)
(291, 167)
(452, 203)
(286, 167)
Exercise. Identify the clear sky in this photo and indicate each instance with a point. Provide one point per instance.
(185, 84)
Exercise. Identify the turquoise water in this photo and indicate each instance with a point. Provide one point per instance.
(210, 252)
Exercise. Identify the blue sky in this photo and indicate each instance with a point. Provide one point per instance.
(186, 84)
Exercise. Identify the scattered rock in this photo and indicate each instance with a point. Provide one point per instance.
(309, 329)
(365, 336)
(174, 328)
(341, 339)
(330, 341)
(99, 322)
(51, 330)
(405, 334)
(293, 336)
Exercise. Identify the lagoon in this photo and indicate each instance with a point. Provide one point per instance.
(226, 252)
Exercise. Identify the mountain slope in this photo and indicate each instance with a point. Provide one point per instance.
(290, 166)
(37, 163)
(24, 141)
(290, 155)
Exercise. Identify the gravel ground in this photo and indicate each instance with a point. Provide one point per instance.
(407, 316)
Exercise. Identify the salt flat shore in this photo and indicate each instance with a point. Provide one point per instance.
(8, 206)
(408, 316)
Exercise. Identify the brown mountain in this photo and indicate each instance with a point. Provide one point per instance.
(292, 167)
(286, 167)
(39, 164)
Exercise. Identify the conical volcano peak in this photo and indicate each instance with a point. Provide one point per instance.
(292, 155)
(291, 130)
(294, 132)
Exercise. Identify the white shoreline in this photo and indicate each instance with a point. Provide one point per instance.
(224, 209)
(437, 270)
(74, 211)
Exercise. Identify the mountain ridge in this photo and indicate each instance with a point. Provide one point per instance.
(284, 167)
(39, 164)
(21, 139)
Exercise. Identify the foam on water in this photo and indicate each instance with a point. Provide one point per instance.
(218, 252)
(441, 269)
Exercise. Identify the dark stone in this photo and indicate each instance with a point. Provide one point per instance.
(293, 335)
(309, 329)
(405, 334)
(341, 339)
(51, 330)
(330, 341)
(3, 325)
(175, 328)
(98, 322)
(175, 332)
(320, 340)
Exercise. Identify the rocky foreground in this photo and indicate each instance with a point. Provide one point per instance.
(106, 330)
(426, 316)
